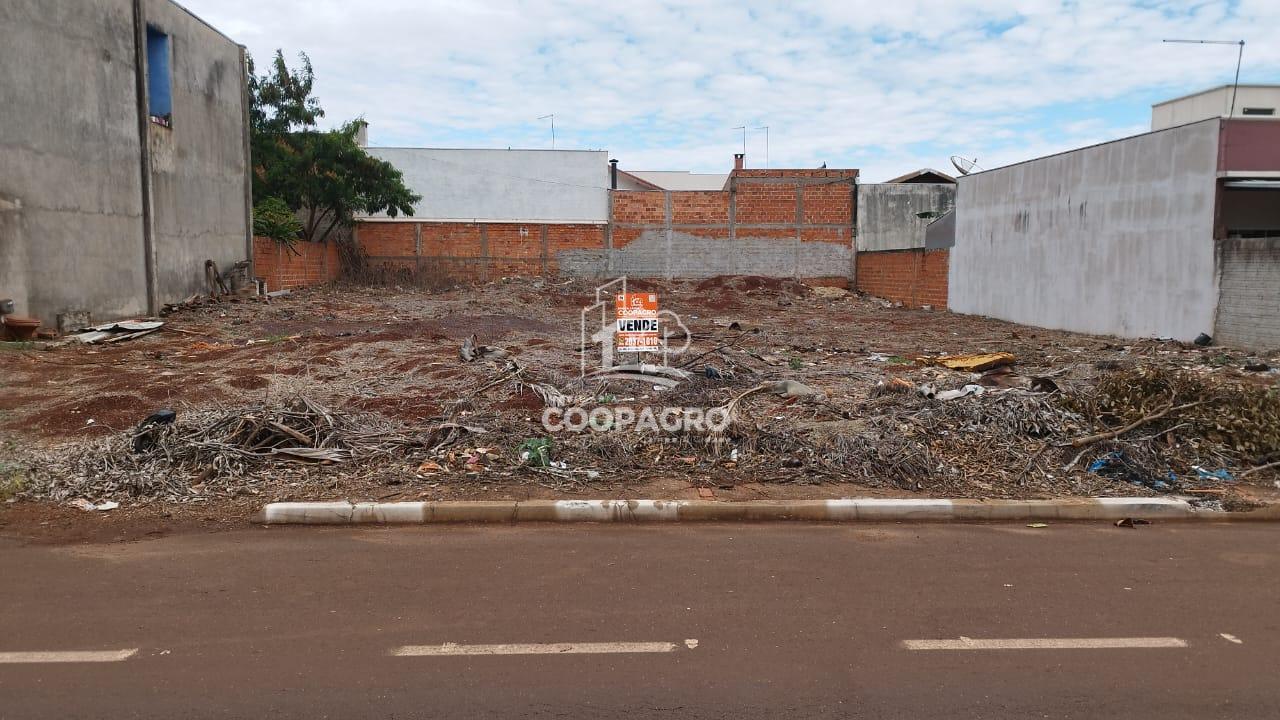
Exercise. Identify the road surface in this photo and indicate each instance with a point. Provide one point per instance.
(695, 621)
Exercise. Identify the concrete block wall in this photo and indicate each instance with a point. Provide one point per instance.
(1249, 307)
(305, 265)
(912, 277)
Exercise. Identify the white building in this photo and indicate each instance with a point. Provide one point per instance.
(1254, 101)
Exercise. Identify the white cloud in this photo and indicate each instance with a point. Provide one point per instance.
(886, 86)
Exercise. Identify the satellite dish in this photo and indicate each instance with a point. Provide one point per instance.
(963, 165)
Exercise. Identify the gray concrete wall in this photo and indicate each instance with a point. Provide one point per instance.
(198, 164)
(1249, 310)
(691, 255)
(505, 185)
(69, 155)
(1114, 239)
(887, 213)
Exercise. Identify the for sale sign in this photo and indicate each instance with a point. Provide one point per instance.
(637, 328)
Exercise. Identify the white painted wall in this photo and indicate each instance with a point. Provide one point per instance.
(1213, 103)
(505, 185)
(1111, 239)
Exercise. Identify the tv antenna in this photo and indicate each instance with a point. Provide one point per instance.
(552, 116)
(1235, 85)
(765, 128)
(743, 128)
(964, 165)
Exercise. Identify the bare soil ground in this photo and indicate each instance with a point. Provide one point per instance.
(389, 358)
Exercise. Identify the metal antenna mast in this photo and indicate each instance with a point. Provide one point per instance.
(765, 128)
(1235, 86)
(553, 128)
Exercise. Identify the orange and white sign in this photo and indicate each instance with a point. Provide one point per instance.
(637, 328)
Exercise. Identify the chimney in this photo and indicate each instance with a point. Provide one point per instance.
(738, 159)
(613, 174)
(362, 135)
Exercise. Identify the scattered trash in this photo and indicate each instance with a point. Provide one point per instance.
(144, 437)
(87, 506)
(1131, 522)
(1219, 474)
(1120, 466)
(1003, 377)
(1037, 525)
(118, 331)
(472, 351)
(830, 293)
(279, 293)
(431, 467)
(706, 493)
(894, 385)
(1203, 340)
(932, 393)
(971, 363)
(791, 389)
(1257, 366)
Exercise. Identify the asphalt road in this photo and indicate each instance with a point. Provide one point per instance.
(697, 621)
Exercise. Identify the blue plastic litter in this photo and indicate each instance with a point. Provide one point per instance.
(1219, 474)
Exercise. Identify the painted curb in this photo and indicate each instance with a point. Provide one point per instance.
(843, 510)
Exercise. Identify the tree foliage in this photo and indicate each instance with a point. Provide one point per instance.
(272, 218)
(324, 175)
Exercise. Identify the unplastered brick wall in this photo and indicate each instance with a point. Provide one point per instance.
(781, 223)
(303, 264)
(434, 252)
(912, 277)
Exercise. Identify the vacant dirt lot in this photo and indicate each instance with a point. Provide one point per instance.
(388, 359)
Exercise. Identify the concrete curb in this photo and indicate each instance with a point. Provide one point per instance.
(844, 510)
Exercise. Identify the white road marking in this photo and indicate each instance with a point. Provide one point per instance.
(451, 649)
(965, 643)
(1231, 638)
(67, 656)
(691, 643)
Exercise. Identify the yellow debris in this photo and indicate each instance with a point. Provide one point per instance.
(972, 363)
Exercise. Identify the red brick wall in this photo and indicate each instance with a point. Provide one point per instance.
(911, 277)
(306, 264)
(464, 252)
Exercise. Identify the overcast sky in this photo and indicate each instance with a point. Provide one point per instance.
(885, 85)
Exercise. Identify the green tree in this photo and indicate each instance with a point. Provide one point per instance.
(324, 175)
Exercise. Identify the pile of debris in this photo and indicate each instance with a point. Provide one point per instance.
(208, 452)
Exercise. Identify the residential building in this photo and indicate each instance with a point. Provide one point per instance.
(124, 156)
(1243, 101)
(670, 180)
(1171, 233)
